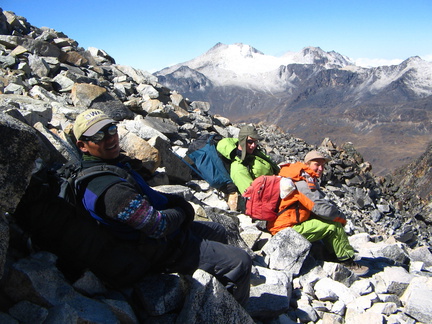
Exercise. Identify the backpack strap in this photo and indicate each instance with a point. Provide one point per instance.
(295, 205)
(125, 172)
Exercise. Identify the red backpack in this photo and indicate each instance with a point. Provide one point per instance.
(262, 198)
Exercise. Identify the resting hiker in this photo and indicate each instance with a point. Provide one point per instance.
(160, 225)
(309, 213)
(248, 161)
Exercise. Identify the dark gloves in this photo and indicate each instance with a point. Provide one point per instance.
(177, 201)
(228, 188)
(175, 218)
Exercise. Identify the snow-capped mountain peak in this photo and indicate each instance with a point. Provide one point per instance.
(244, 65)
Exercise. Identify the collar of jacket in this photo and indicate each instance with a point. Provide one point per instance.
(295, 171)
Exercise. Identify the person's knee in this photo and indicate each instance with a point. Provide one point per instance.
(241, 262)
(220, 229)
(245, 260)
(332, 227)
(222, 233)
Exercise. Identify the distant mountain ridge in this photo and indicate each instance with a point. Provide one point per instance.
(239, 64)
(315, 94)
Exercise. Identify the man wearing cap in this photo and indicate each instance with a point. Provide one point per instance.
(247, 160)
(309, 213)
(160, 225)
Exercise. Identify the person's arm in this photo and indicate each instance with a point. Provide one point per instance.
(322, 207)
(121, 202)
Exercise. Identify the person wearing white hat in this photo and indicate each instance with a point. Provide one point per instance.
(309, 212)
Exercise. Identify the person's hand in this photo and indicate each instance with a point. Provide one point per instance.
(179, 201)
(230, 188)
(340, 220)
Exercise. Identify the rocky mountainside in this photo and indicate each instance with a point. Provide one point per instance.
(315, 94)
(46, 80)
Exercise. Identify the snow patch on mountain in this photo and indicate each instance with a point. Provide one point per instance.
(415, 73)
(242, 65)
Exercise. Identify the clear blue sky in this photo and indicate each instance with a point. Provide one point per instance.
(151, 35)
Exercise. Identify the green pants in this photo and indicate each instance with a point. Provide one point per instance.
(331, 233)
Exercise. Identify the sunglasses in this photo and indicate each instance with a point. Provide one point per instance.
(250, 142)
(100, 135)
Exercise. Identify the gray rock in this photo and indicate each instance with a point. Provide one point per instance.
(175, 169)
(394, 280)
(122, 311)
(64, 82)
(147, 90)
(27, 312)
(25, 282)
(38, 66)
(328, 289)
(306, 313)
(287, 251)
(19, 144)
(161, 294)
(139, 76)
(7, 61)
(338, 272)
(13, 88)
(165, 126)
(32, 110)
(92, 311)
(89, 285)
(138, 127)
(4, 240)
(270, 293)
(63, 313)
(7, 319)
(383, 308)
(209, 302)
(231, 224)
(417, 299)
(421, 253)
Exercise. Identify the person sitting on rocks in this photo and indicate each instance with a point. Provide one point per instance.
(309, 213)
(159, 224)
(247, 160)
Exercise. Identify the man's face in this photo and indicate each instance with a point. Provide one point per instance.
(107, 149)
(251, 144)
(317, 166)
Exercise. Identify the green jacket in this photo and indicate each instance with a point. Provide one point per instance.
(244, 172)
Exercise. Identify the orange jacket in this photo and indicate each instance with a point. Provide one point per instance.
(297, 207)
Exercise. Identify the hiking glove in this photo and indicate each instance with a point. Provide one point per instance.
(178, 201)
(230, 188)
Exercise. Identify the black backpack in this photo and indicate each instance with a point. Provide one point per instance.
(55, 221)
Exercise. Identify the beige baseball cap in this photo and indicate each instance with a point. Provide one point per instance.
(90, 122)
(315, 155)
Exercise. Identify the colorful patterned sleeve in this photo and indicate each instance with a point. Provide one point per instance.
(122, 203)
